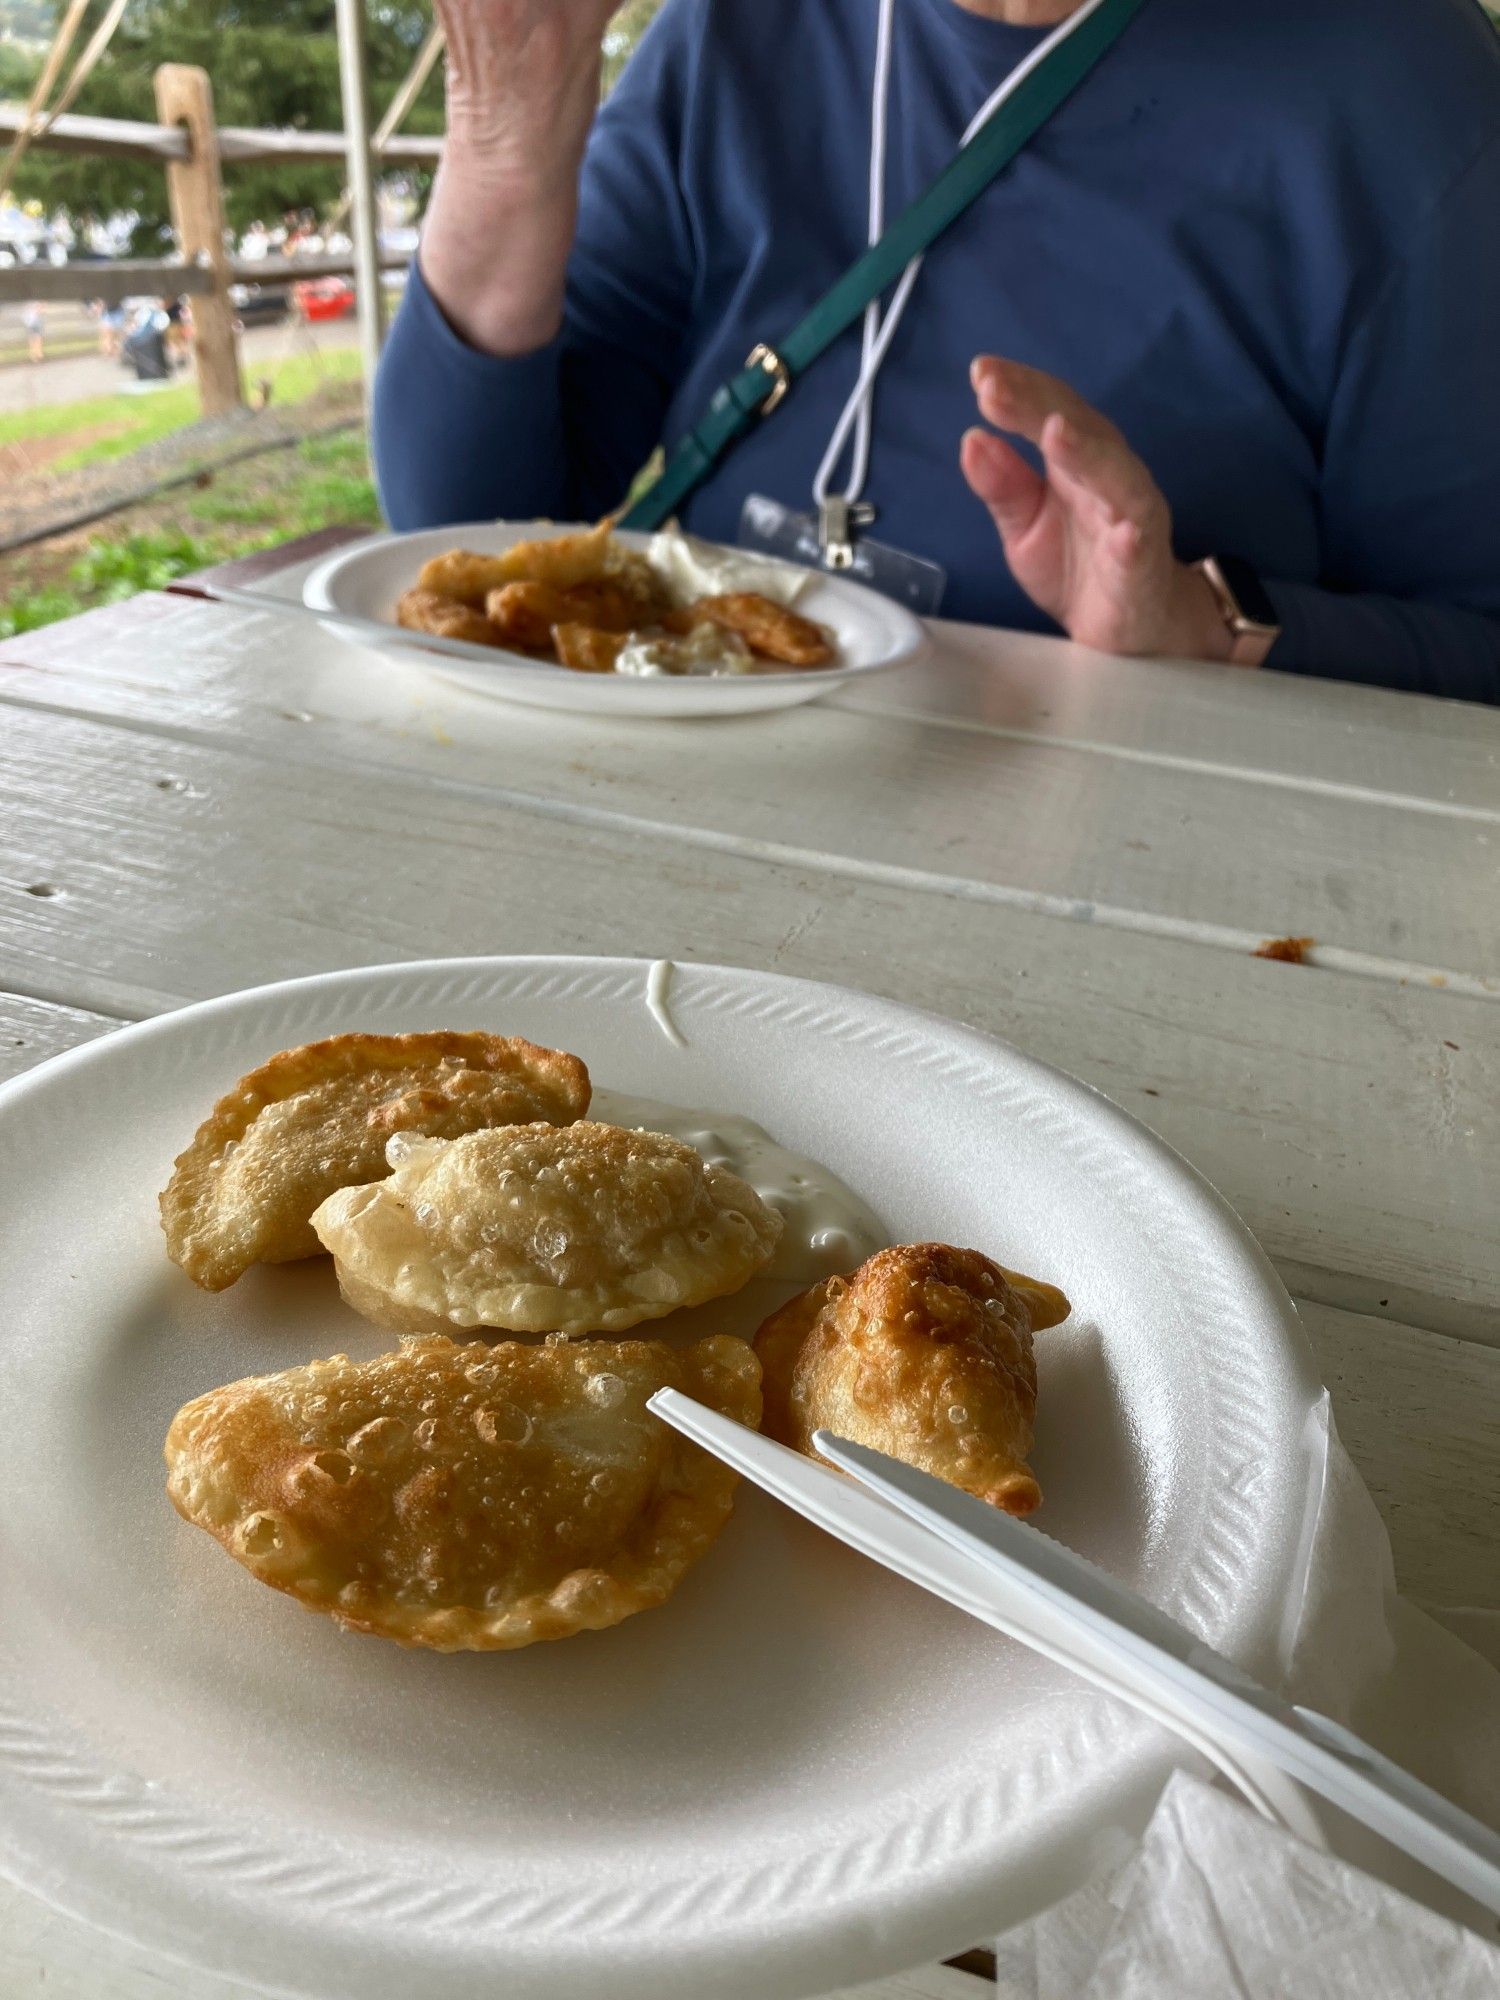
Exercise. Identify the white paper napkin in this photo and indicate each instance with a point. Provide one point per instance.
(1216, 1902)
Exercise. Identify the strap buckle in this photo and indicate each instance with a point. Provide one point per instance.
(764, 357)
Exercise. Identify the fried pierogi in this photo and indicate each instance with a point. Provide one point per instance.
(534, 1229)
(445, 618)
(524, 614)
(559, 559)
(767, 628)
(317, 1118)
(586, 649)
(466, 1497)
(923, 1352)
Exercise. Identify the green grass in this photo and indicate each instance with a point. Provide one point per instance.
(127, 423)
(26, 610)
(107, 572)
(273, 498)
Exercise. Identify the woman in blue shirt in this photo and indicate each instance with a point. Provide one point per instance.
(1238, 299)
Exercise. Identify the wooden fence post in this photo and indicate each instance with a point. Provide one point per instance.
(184, 96)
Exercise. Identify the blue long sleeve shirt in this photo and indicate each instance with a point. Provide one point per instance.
(1263, 236)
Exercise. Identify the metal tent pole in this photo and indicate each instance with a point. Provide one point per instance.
(364, 221)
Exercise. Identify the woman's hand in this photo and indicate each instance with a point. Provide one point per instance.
(523, 80)
(1089, 538)
(523, 86)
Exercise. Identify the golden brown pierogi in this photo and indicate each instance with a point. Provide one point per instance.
(923, 1352)
(466, 1497)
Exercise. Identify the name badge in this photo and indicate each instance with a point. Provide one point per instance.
(783, 531)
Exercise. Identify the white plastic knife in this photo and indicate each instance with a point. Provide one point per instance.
(1017, 1579)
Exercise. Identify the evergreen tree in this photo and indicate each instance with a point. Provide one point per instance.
(272, 62)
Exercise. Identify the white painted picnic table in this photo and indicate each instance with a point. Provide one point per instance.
(1074, 853)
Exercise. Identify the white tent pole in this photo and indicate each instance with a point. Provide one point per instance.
(398, 107)
(364, 220)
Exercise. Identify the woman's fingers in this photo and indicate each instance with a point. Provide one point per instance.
(1002, 479)
(1016, 398)
(1098, 462)
(1084, 452)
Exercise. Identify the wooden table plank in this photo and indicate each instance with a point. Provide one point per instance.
(1340, 1115)
(1271, 730)
(33, 1030)
(1389, 888)
(1419, 1414)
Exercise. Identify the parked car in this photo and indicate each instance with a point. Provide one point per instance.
(259, 305)
(323, 298)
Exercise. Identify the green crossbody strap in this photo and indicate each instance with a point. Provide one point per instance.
(769, 372)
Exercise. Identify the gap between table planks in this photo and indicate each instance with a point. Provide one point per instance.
(1418, 1411)
(883, 795)
(1341, 1116)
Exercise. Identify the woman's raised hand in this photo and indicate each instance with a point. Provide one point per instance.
(523, 86)
(1089, 537)
(523, 80)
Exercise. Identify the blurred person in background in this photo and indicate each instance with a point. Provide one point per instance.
(111, 326)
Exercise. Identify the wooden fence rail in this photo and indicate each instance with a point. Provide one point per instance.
(119, 278)
(168, 277)
(192, 148)
(130, 139)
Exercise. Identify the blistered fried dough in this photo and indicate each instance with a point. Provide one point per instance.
(525, 613)
(767, 628)
(585, 1229)
(564, 560)
(561, 559)
(317, 1118)
(923, 1352)
(464, 576)
(445, 618)
(466, 1498)
(586, 649)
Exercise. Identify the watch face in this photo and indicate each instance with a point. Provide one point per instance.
(1248, 592)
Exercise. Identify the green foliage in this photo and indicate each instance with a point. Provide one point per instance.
(249, 506)
(622, 34)
(272, 62)
(112, 570)
(29, 609)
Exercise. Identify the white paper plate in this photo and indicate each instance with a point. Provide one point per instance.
(799, 1773)
(366, 579)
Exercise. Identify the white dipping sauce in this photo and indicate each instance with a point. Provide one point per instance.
(826, 1228)
(691, 568)
(706, 650)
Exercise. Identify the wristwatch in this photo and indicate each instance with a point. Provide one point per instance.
(1247, 610)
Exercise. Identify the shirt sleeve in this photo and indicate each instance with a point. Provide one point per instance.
(1411, 471)
(458, 435)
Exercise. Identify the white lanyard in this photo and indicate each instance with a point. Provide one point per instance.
(835, 510)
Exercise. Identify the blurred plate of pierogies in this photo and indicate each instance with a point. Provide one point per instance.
(345, 1297)
(605, 621)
